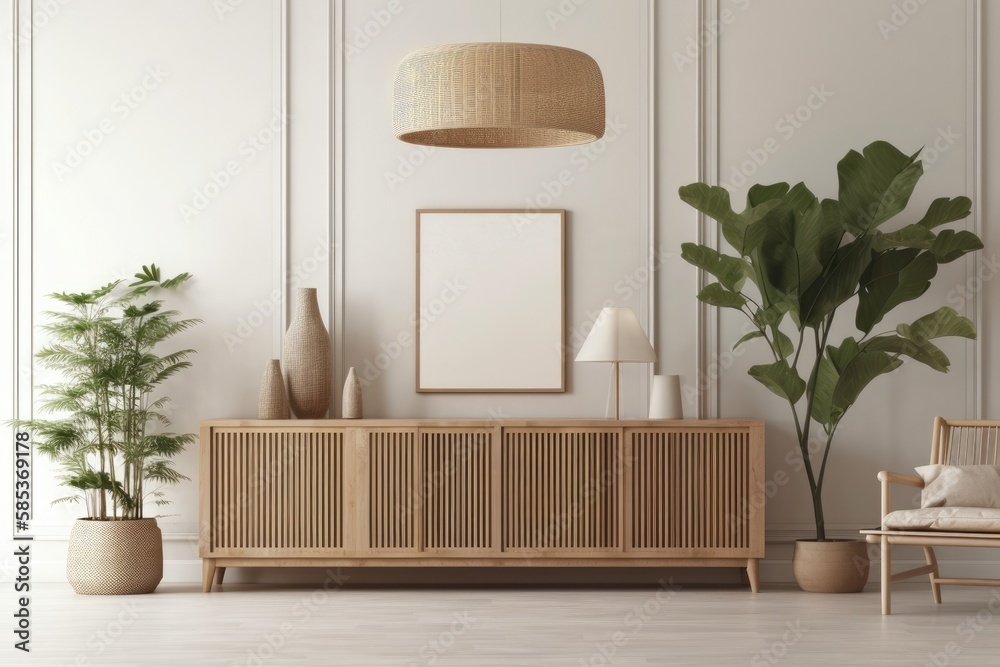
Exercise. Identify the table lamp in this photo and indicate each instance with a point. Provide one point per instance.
(617, 337)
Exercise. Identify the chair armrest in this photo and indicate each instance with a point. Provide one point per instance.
(899, 478)
(888, 479)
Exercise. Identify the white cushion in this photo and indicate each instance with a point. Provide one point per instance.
(950, 519)
(960, 486)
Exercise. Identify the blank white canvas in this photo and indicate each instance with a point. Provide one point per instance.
(490, 301)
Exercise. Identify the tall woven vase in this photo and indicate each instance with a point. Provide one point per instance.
(307, 359)
(123, 557)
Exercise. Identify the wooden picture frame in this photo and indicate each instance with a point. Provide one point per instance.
(490, 301)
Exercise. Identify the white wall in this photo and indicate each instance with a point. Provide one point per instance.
(275, 225)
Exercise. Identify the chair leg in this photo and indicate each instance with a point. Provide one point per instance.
(935, 586)
(886, 577)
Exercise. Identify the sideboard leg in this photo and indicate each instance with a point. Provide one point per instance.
(220, 573)
(753, 574)
(207, 574)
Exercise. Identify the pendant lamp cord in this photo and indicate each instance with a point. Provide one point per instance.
(500, 17)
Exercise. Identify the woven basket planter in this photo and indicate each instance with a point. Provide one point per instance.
(115, 557)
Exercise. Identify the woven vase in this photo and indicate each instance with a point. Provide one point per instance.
(308, 361)
(352, 396)
(272, 402)
(115, 557)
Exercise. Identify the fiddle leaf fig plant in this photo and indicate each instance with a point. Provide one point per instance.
(797, 262)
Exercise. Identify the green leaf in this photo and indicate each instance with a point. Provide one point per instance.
(875, 185)
(738, 229)
(838, 283)
(717, 295)
(842, 356)
(830, 232)
(895, 276)
(781, 379)
(843, 374)
(923, 351)
(942, 322)
(823, 409)
(756, 333)
(714, 202)
(950, 245)
(730, 271)
(782, 343)
(802, 236)
(863, 367)
(772, 315)
(759, 194)
(911, 236)
(944, 210)
(176, 281)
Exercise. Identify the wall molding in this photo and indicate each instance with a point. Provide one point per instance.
(336, 203)
(974, 171)
(23, 323)
(707, 320)
(279, 159)
(652, 206)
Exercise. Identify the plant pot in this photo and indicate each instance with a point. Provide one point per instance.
(831, 566)
(119, 557)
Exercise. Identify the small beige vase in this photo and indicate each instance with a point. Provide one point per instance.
(272, 401)
(308, 361)
(352, 396)
(123, 557)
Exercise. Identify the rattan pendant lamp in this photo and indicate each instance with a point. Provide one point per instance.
(498, 95)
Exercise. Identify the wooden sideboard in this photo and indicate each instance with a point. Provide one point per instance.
(538, 492)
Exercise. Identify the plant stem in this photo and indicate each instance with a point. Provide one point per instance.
(815, 486)
(817, 498)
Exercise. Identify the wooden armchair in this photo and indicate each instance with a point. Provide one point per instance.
(956, 443)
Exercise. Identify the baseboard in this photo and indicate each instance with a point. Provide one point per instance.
(183, 566)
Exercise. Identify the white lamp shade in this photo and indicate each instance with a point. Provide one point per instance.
(616, 336)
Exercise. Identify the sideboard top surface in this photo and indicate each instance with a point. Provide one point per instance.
(686, 424)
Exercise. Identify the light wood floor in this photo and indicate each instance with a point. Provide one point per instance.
(180, 626)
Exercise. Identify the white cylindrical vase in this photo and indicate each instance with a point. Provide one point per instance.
(665, 398)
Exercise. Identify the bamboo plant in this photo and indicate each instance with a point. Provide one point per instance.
(106, 431)
(797, 262)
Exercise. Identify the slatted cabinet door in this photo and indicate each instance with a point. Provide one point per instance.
(458, 491)
(274, 493)
(390, 520)
(561, 491)
(694, 493)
